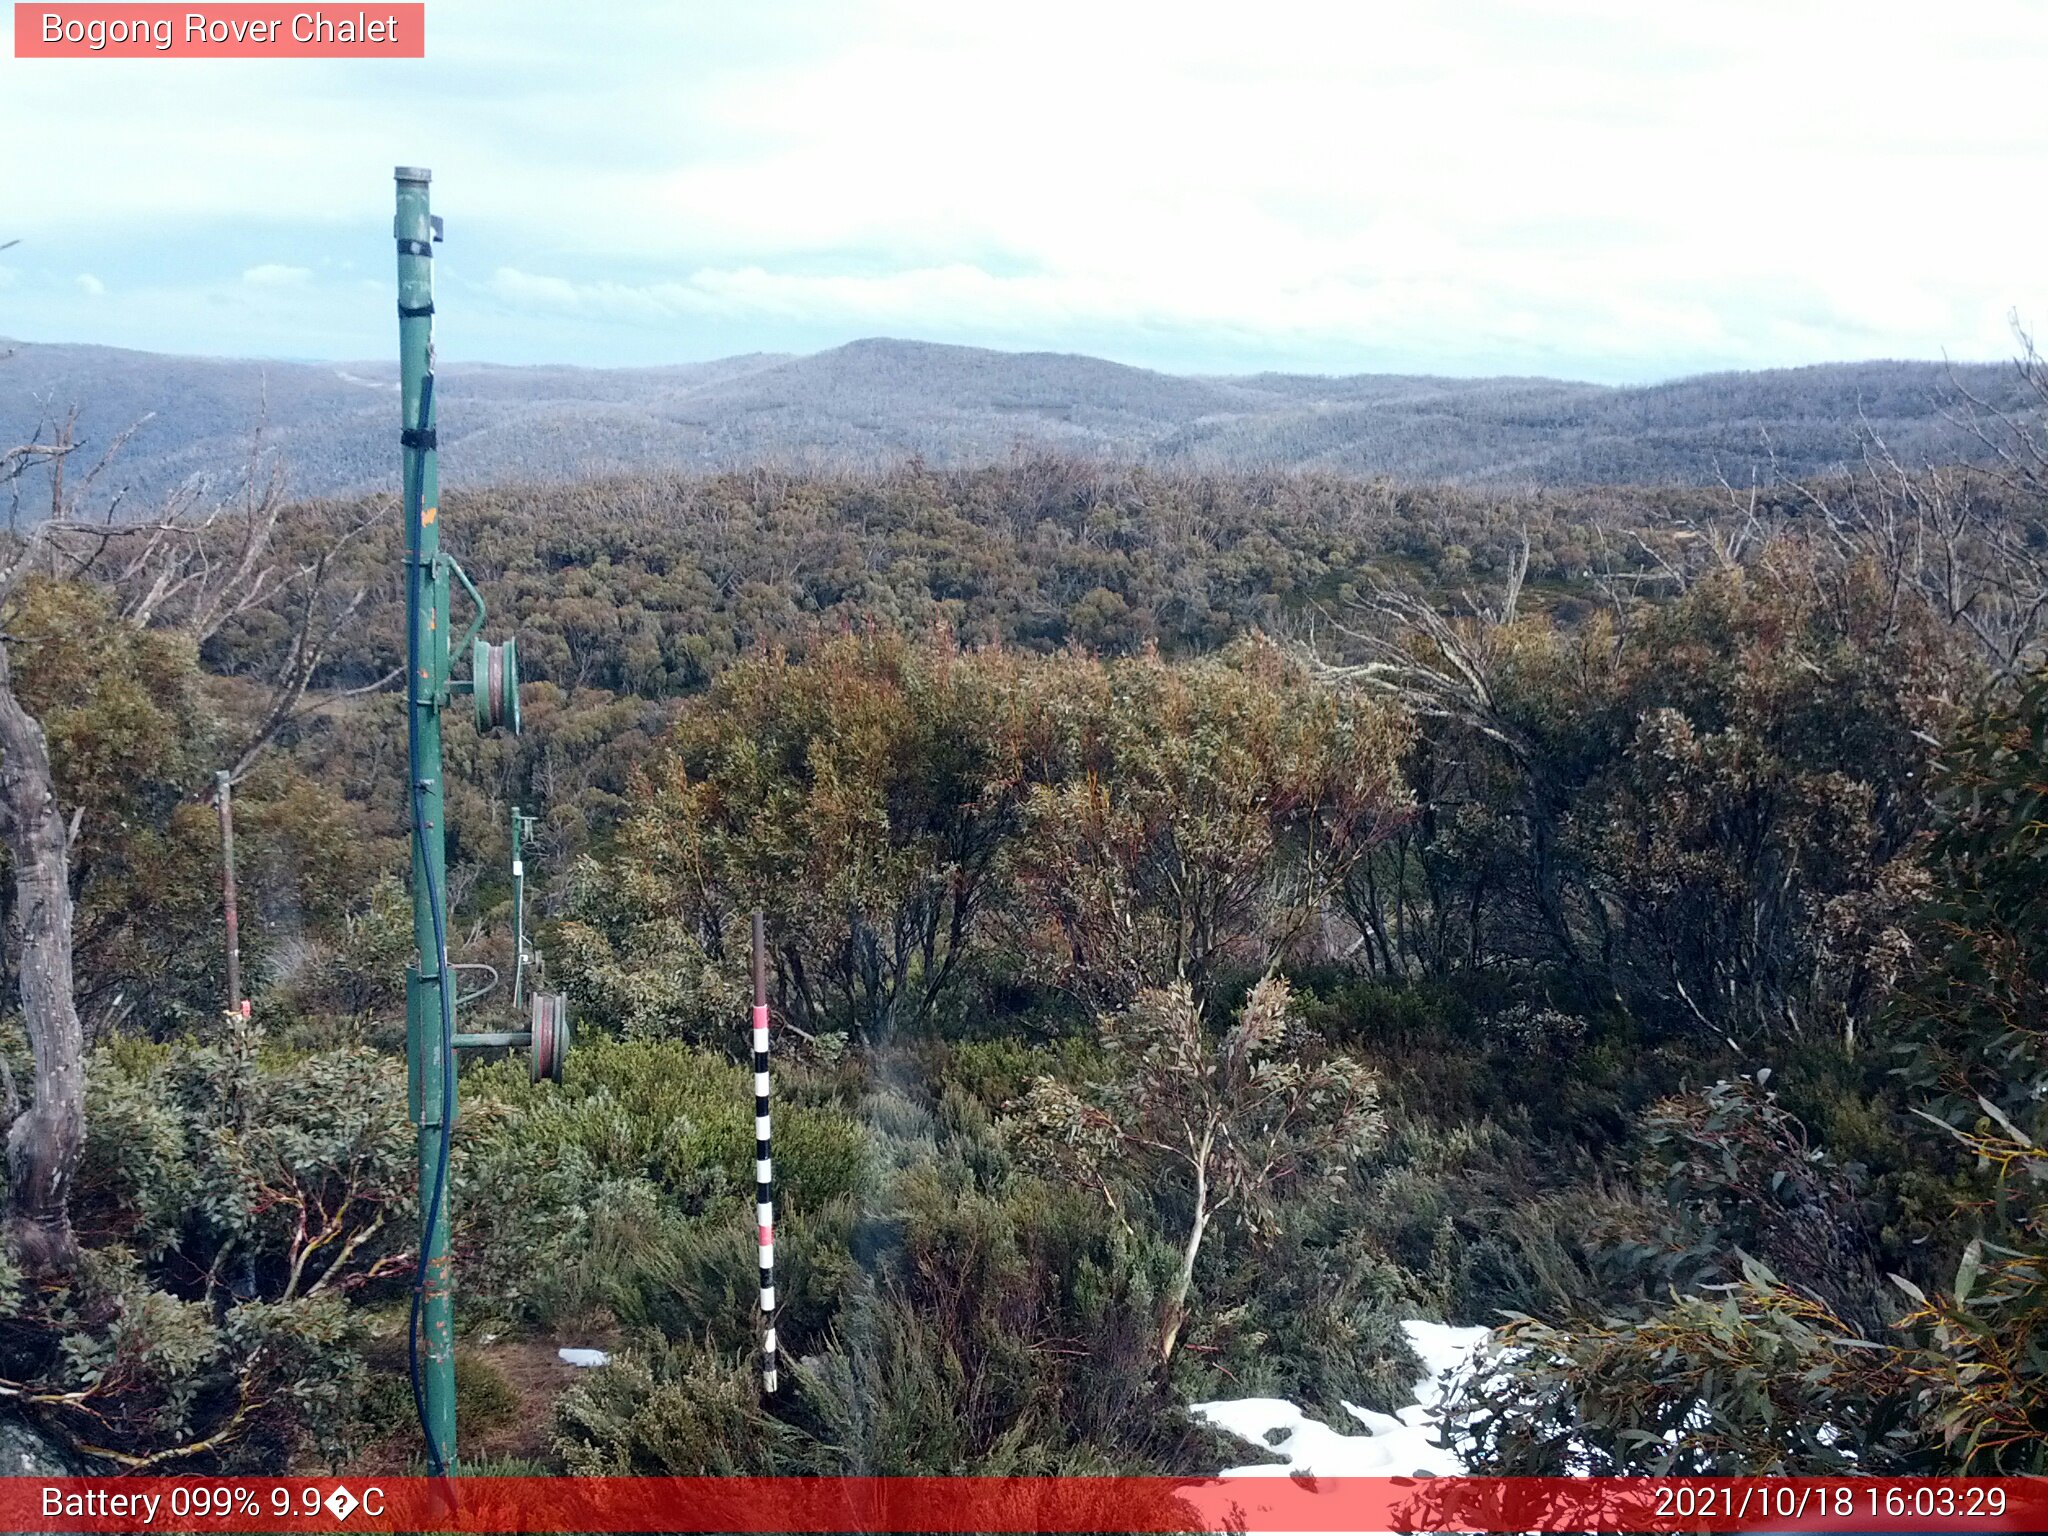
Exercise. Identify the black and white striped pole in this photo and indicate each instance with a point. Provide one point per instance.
(764, 1158)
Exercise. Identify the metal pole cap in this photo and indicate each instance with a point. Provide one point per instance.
(416, 173)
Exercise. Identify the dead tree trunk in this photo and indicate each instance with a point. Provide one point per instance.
(44, 1144)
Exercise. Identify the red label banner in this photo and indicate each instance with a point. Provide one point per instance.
(1007, 1504)
(103, 31)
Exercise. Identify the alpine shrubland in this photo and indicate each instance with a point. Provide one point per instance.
(1211, 918)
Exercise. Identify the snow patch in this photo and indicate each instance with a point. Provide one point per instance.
(1394, 1444)
(585, 1357)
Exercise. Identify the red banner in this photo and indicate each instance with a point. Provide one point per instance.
(102, 31)
(962, 1504)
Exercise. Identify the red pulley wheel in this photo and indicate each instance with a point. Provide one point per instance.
(550, 1024)
(494, 674)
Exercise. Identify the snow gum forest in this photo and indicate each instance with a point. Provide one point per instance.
(1228, 933)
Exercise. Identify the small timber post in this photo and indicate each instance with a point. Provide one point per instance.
(430, 996)
(225, 792)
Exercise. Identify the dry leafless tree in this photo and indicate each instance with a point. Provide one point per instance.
(191, 568)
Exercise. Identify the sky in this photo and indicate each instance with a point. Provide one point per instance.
(1612, 190)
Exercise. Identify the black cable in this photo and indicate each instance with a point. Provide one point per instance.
(437, 1463)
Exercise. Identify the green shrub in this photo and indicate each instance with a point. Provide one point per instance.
(632, 967)
(348, 989)
(670, 1409)
(137, 1180)
(1316, 1321)
(634, 1179)
(1754, 1380)
(483, 1397)
(982, 1335)
(232, 1197)
(133, 1374)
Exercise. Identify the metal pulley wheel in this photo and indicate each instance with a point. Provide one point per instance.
(494, 670)
(550, 1015)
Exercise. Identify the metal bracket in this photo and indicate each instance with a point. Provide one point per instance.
(476, 624)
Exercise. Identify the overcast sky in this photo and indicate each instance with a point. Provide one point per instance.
(1615, 191)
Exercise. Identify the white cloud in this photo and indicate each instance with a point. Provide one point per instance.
(271, 274)
(601, 299)
(1457, 312)
(1596, 179)
(90, 286)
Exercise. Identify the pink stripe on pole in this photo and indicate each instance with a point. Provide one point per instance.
(760, 1015)
(768, 1237)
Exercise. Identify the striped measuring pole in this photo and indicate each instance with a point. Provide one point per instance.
(764, 1158)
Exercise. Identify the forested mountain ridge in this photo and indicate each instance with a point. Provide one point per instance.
(879, 402)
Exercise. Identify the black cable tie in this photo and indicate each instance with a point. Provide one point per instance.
(414, 311)
(413, 437)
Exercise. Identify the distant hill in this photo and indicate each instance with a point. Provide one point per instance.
(874, 403)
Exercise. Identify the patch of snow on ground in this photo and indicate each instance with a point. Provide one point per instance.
(584, 1357)
(1393, 1445)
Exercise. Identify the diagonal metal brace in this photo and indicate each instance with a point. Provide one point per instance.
(476, 624)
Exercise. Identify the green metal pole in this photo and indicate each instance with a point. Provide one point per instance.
(429, 993)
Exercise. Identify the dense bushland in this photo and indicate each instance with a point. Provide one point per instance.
(1568, 910)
